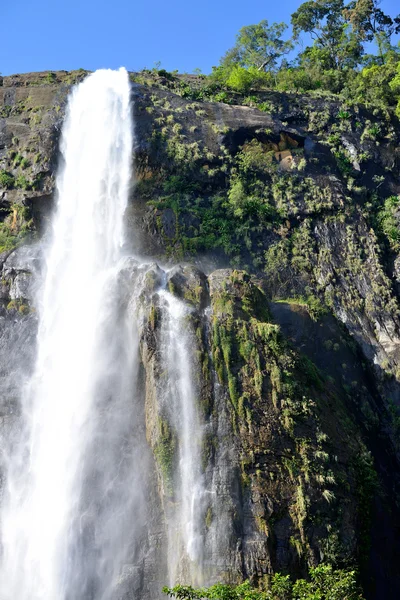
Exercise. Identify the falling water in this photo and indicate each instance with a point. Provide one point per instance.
(68, 495)
(187, 524)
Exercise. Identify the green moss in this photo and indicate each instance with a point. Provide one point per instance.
(153, 317)
(263, 375)
(16, 227)
(18, 305)
(23, 183)
(209, 443)
(209, 517)
(314, 306)
(262, 525)
(171, 287)
(164, 452)
(193, 294)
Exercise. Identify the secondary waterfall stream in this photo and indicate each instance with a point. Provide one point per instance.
(185, 528)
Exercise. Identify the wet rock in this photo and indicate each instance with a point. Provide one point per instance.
(20, 273)
(130, 583)
(189, 284)
(352, 151)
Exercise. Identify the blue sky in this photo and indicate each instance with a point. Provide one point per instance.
(181, 34)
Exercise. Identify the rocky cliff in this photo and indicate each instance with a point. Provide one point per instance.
(282, 210)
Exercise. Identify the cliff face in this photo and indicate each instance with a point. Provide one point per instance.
(290, 215)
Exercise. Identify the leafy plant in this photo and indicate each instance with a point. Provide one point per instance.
(325, 583)
(6, 180)
(388, 222)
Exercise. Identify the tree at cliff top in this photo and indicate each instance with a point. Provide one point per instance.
(370, 23)
(340, 34)
(260, 46)
(336, 46)
(259, 49)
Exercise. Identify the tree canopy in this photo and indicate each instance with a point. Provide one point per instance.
(370, 23)
(260, 46)
(338, 59)
(336, 44)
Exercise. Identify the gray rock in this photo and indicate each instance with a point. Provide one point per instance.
(21, 271)
(189, 284)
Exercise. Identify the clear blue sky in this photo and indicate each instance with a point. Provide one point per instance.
(182, 34)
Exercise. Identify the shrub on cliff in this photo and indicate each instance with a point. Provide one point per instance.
(325, 583)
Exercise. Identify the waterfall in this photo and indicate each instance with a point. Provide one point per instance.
(69, 510)
(180, 399)
(79, 515)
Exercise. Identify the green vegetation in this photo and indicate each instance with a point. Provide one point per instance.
(18, 305)
(254, 202)
(388, 223)
(258, 50)
(273, 388)
(313, 305)
(324, 583)
(6, 180)
(15, 228)
(165, 452)
(337, 62)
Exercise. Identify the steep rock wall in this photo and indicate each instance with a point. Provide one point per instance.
(304, 461)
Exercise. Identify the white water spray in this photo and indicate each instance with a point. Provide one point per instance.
(59, 541)
(187, 525)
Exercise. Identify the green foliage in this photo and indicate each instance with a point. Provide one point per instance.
(239, 79)
(395, 82)
(23, 183)
(19, 306)
(375, 84)
(6, 180)
(324, 583)
(15, 228)
(336, 62)
(8, 241)
(335, 45)
(394, 85)
(258, 46)
(313, 305)
(295, 79)
(51, 77)
(388, 222)
(165, 453)
(332, 63)
(343, 162)
(370, 23)
(229, 220)
(176, 184)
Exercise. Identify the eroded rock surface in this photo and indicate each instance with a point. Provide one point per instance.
(292, 296)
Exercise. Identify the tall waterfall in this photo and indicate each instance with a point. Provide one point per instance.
(69, 507)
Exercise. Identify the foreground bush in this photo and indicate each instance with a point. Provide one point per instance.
(325, 583)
